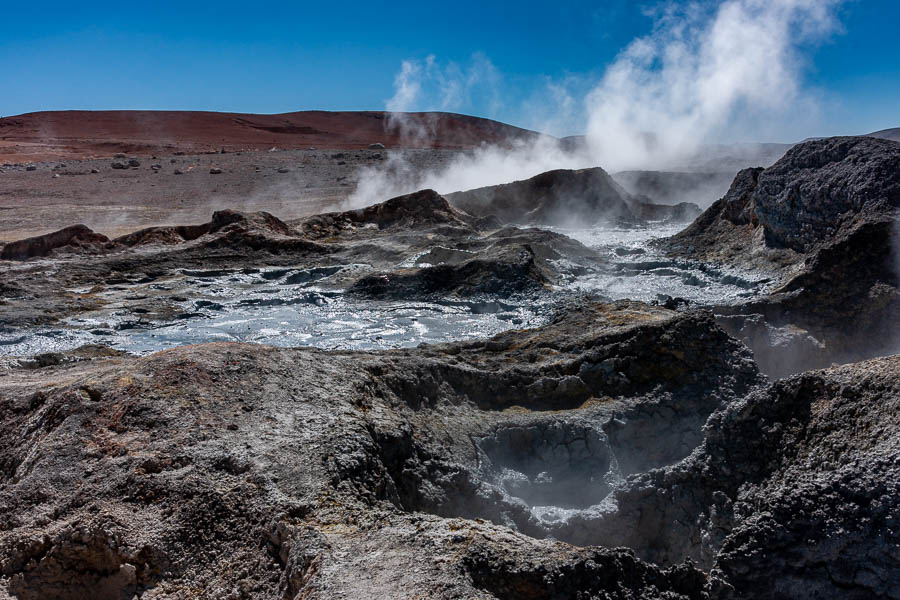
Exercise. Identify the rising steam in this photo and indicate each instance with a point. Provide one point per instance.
(705, 74)
(704, 77)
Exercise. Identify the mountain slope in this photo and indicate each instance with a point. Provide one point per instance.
(78, 134)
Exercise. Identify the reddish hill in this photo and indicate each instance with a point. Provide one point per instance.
(78, 134)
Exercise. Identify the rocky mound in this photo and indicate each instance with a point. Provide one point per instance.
(415, 246)
(819, 194)
(564, 197)
(77, 238)
(425, 208)
(793, 493)
(822, 221)
(506, 262)
(249, 471)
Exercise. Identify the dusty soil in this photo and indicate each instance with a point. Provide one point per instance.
(288, 183)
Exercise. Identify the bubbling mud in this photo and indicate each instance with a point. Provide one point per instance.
(298, 307)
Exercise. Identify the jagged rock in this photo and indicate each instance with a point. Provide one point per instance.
(77, 238)
(424, 208)
(795, 492)
(822, 222)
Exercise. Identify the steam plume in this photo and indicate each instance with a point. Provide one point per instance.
(706, 73)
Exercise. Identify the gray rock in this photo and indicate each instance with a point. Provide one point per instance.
(822, 224)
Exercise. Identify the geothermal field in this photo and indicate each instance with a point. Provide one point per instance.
(230, 369)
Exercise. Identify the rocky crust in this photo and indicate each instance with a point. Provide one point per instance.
(246, 471)
(794, 493)
(234, 470)
(413, 246)
(823, 223)
(567, 198)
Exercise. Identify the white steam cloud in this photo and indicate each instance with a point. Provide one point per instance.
(701, 75)
(706, 73)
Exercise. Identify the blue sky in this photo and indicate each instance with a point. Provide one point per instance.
(277, 57)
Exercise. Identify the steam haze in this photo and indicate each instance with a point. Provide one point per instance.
(705, 74)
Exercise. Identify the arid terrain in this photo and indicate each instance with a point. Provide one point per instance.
(217, 380)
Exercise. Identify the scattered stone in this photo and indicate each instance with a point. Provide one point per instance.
(31, 168)
(116, 164)
(215, 171)
(376, 146)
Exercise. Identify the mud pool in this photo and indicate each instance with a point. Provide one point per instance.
(300, 307)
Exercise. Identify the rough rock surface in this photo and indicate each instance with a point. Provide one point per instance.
(567, 198)
(75, 238)
(414, 246)
(245, 471)
(794, 493)
(231, 470)
(823, 223)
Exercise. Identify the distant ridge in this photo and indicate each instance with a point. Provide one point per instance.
(886, 134)
(55, 135)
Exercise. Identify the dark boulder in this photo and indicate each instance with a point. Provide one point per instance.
(425, 208)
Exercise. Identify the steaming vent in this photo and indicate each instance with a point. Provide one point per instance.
(551, 468)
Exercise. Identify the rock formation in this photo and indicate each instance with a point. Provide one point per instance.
(235, 470)
(822, 222)
(567, 198)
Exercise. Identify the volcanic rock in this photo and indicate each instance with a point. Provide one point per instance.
(556, 197)
(569, 198)
(422, 208)
(822, 223)
(794, 492)
(77, 238)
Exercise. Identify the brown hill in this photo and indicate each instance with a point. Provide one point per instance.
(57, 135)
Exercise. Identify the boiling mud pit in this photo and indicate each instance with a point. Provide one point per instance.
(298, 307)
